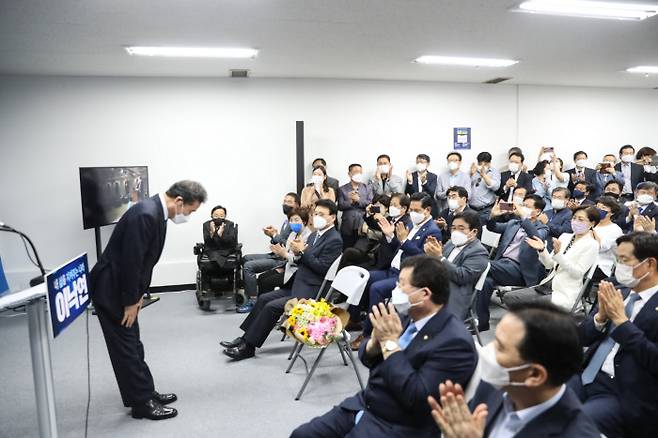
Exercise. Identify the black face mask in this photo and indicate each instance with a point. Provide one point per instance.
(614, 195)
(286, 209)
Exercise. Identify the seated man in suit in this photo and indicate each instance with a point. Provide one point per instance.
(581, 172)
(523, 392)
(353, 198)
(464, 257)
(580, 195)
(220, 236)
(558, 218)
(407, 358)
(619, 382)
(313, 260)
(254, 264)
(384, 182)
(644, 204)
(422, 180)
(404, 242)
(457, 197)
(515, 263)
(515, 176)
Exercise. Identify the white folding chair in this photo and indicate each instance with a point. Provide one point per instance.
(472, 317)
(351, 282)
(490, 239)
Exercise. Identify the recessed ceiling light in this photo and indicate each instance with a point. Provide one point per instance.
(470, 62)
(643, 69)
(590, 9)
(192, 52)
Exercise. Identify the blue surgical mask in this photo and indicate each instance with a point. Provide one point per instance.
(578, 194)
(602, 213)
(296, 228)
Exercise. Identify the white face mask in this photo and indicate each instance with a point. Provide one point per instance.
(458, 238)
(357, 177)
(401, 300)
(624, 274)
(317, 180)
(394, 211)
(384, 168)
(319, 223)
(417, 218)
(627, 158)
(492, 372)
(525, 212)
(514, 167)
(558, 204)
(180, 218)
(581, 163)
(453, 165)
(453, 204)
(517, 200)
(645, 199)
(421, 167)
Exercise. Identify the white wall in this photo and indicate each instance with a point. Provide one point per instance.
(237, 138)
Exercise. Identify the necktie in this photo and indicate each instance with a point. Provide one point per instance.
(317, 236)
(407, 336)
(605, 347)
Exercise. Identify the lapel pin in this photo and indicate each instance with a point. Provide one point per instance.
(425, 338)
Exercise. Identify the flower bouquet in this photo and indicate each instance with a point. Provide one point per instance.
(313, 323)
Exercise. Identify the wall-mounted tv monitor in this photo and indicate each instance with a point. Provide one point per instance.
(108, 192)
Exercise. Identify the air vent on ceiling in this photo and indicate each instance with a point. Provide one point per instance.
(239, 73)
(496, 80)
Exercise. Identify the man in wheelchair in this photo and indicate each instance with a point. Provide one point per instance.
(218, 257)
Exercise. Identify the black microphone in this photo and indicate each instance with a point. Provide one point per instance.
(7, 228)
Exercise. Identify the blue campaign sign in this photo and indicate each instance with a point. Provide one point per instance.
(68, 294)
(461, 138)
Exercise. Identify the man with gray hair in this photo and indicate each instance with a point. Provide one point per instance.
(118, 282)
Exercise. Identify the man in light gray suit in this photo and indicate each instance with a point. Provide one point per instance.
(453, 177)
(465, 259)
(383, 181)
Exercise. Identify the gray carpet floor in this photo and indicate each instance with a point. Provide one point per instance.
(217, 397)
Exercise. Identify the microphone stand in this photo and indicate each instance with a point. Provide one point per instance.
(36, 280)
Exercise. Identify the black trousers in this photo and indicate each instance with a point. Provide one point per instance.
(262, 319)
(127, 356)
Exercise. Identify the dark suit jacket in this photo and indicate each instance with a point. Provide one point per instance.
(650, 211)
(315, 262)
(123, 274)
(219, 247)
(415, 246)
(636, 365)
(565, 419)
(464, 273)
(590, 177)
(352, 217)
(637, 174)
(559, 222)
(532, 269)
(523, 180)
(429, 188)
(398, 387)
(385, 254)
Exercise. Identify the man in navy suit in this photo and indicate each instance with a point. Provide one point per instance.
(514, 177)
(581, 172)
(407, 358)
(405, 243)
(643, 205)
(118, 282)
(633, 172)
(314, 259)
(619, 381)
(523, 391)
(422, 180)
(516, 263)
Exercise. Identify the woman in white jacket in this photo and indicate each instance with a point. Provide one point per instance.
(573, 256)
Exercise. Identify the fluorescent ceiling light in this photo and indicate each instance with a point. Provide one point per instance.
(192, 52)
(643, 69)
(470, 62)
(590, 9)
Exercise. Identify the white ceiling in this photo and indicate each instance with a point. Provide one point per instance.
(357, 39)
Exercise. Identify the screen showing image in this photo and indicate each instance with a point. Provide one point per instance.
(108, 192)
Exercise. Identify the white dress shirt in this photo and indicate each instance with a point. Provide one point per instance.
(609, 363)
(509, 422)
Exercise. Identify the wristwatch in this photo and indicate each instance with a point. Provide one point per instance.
(391, 345)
